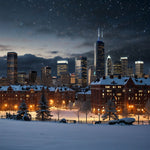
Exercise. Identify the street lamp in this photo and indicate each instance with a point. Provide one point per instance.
(98, 114)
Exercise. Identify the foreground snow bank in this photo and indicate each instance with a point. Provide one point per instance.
(36, 135)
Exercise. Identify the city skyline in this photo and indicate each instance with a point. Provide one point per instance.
(47, 29)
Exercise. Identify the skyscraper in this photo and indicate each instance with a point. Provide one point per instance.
(124, 66)
(62, 67)
(81, 71)
(117, 68)
(46, 75)
(91, 76)
(32, 77)
(12, 67)
(139, 68)
(109, 67)
(99, 56)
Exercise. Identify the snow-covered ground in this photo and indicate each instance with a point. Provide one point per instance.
(72, 115)
(36, 135)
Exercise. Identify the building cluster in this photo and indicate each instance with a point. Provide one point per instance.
(11, 96)
(104, 79)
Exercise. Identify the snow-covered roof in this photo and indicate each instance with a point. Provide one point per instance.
(121, 81)
(111, 81)
(141, 81)
(63, 88)
(34, 87)
(88, 92)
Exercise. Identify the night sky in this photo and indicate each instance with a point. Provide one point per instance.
(66, 28)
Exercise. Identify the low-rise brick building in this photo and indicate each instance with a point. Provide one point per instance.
(130, 93)
(11, 96)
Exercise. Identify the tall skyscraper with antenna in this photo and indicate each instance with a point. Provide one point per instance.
(99, 56)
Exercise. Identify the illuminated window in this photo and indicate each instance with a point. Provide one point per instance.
(119, 87)
(114, 87)
(148, 91)
(109, 91)
(119, 94)
(129, 90)
(128, 98)
(135, 94)
(140, 91)
(103, 94)
(107, 87)
(123, 90)
(136, 98)
(27, 95)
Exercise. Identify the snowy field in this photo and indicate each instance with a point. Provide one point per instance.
(36, 135)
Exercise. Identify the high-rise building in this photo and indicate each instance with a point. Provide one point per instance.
(139, 68)
(32, 77)
(117, 68)
(65, 79)
(130, 71)
(62, 67)
(46, 76)
(22, 78)
(109, 66)
(99, 56)
(91, 76)
(81, 71)
(12, 67)
(124, 66)
(72, 78)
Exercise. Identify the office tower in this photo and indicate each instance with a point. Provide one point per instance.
(130, 71)
(117, 68)
(72, 78)
(124, 66)
(22, 78)
(65, 79)
(91, 76)
(99, 56)
(109, 67)
(139, 68)
(46, 76)
(62, 67)
(81, 71)
(12, 67)
(32, 77)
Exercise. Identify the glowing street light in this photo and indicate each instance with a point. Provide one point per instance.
(16, 106)
(51, 102)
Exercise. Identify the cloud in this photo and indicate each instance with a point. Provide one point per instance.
(5, 48)
(54, 52)
(84, 44)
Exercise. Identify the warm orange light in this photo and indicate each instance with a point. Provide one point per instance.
(93, 109)
(15, 106)
(5, 105)
(31, 106)
(51, 102)
(131, 106)
(103, 110)
(63, 102)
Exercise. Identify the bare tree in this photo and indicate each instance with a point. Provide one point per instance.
(78, 105)
(125, 112)
(86, 108)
